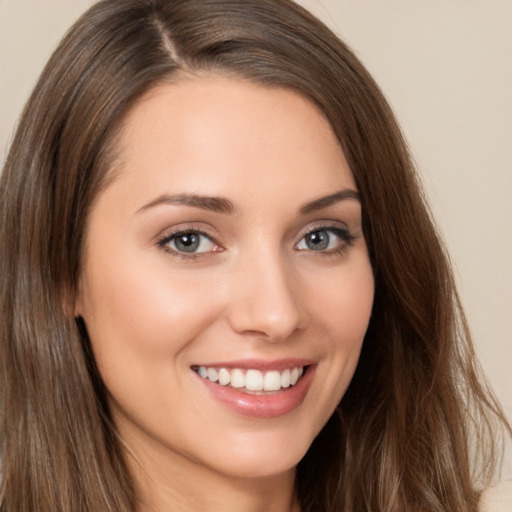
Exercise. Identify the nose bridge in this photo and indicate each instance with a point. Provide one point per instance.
(264, 302)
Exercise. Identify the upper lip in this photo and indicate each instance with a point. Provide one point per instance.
(259, 364)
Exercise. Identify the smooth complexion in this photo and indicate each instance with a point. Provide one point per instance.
(230, 237)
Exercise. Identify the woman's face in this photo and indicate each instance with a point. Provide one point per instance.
(226, 285)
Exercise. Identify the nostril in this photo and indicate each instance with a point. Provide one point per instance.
(264, 303)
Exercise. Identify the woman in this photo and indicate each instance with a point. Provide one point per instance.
(176, 336)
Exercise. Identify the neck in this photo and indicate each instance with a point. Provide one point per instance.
(167, 482)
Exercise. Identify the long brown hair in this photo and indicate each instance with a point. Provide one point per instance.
(416, 413)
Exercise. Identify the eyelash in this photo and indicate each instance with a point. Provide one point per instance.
(167, 239)
(347, 240)
(343, 234)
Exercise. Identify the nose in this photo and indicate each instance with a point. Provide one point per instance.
(264, 300)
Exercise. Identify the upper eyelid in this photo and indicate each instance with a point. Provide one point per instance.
(342, 232)
(324, 225)
(163, 244)
(167, 234)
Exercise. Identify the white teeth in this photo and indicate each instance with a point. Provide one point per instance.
(212, 374)
(286, 379)
(224, 377)
(237, 379)
(252, 380)
(272, 381)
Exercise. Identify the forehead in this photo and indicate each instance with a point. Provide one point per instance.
(202, 133)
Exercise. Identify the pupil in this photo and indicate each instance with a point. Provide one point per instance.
(318, 241)
(187, 242)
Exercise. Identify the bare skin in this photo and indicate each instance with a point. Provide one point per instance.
(229, 239)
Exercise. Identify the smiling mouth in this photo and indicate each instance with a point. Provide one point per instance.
(252, 381)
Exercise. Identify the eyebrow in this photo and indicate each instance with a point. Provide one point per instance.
(226, 207)
(326, 201)
(213, 204)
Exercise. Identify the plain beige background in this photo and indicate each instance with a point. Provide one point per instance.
(446, 68)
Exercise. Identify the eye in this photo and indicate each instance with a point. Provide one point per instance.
(189, 242)
(327, 239)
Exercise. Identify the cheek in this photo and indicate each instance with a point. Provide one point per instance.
(142, 311)
(140, 321)
(343, 304)
(341, 313)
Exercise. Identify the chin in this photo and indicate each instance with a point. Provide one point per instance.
(264, 455)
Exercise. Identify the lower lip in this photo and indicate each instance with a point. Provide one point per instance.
(266, 405)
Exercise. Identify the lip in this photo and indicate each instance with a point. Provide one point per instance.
(263, 406)
(259, 364)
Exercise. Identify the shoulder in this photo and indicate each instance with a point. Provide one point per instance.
(497, 498)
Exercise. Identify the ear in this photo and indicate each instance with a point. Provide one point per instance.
(78, 300)
(72, 301)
